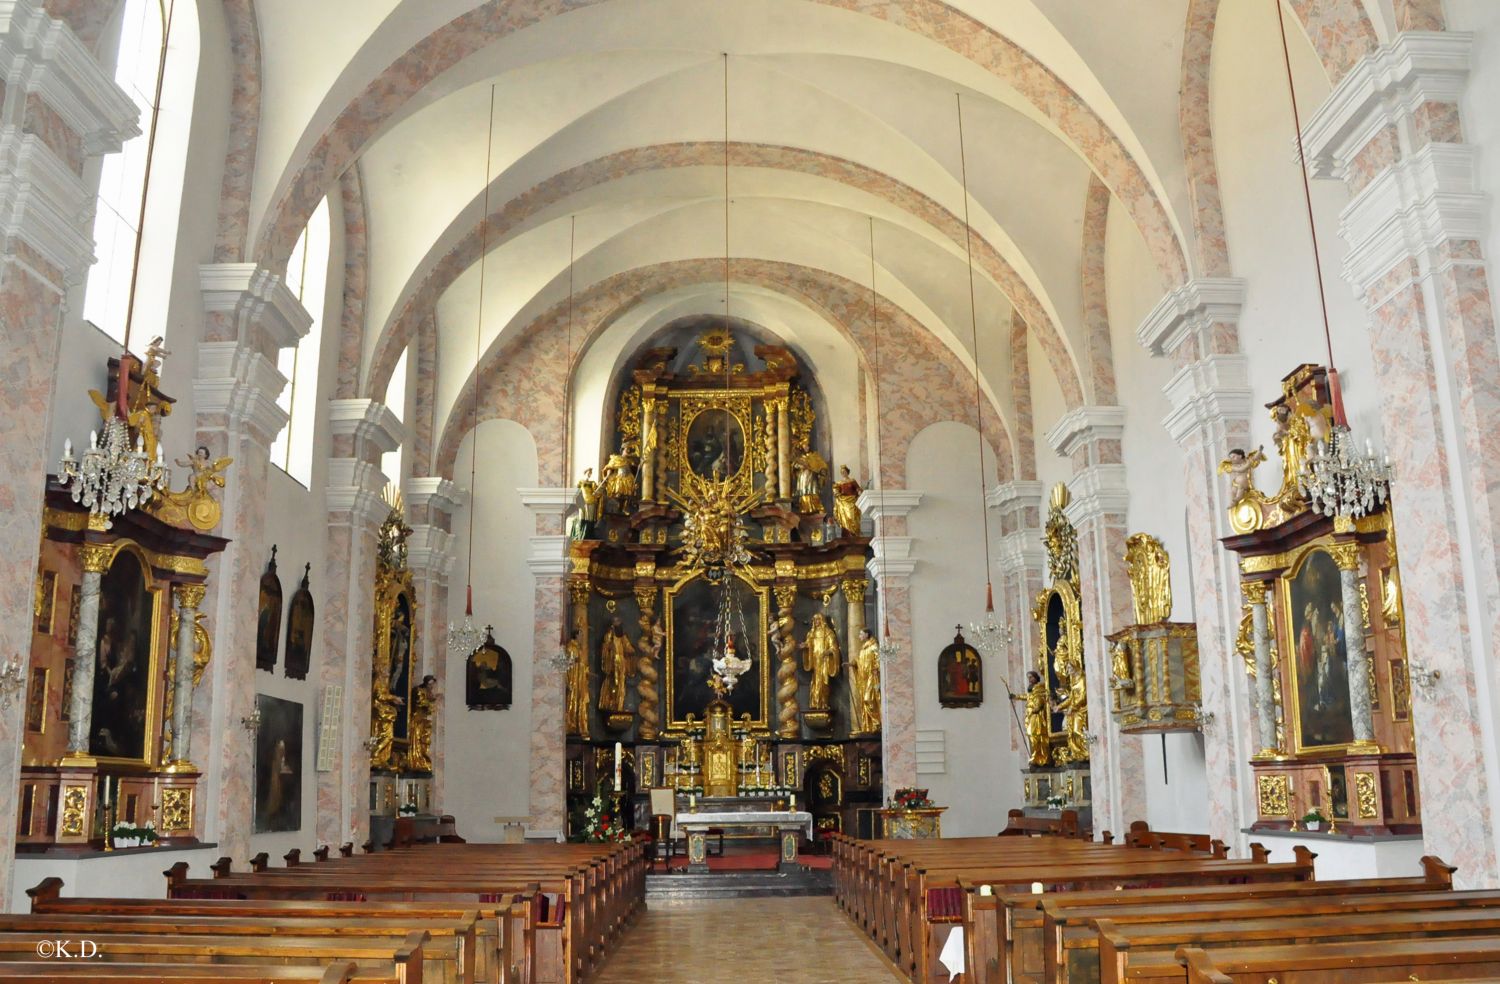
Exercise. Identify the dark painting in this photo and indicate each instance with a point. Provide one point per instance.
(1056, 625)
(399, 679)
(299, 630)
(278, 765)
(715, 445)
(693, 616)
(960, 675)
(487, 684)
(1320, 662)
(268, 622)
(122, 669)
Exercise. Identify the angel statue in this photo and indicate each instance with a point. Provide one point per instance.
(1240, 467)
(203, 470)
(195, 504)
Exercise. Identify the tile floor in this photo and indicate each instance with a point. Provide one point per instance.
(745, 941)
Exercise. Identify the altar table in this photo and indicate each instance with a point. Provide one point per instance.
(787, 825)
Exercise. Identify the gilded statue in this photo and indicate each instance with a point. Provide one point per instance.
(809, 470)
(1390, 581)
(619, 477)
(576, 713)
(821, 658)
(1240, 467)
(1036, 719)
(423, 710)
(1073, 704)
(712, 533)
(865, 670)
(1149, 569)
(615, 650)
(383, 706)
(846, 502)
(1119, 666)
(590, 499)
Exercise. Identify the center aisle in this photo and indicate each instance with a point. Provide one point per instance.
(744, 941)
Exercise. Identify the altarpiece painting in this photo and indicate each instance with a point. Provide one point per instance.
(1320, 667)
(122, 676)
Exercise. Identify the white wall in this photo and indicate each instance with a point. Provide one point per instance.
(982, 778)
(487, 754)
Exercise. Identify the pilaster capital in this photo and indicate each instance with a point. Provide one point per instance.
(1021, 552)
(434, 493)
(1013, 494)
(43, 57)
(236, 385)
(549, 501)
(888, 503)
(1098, 493)
(252, 297)
(356, 487)
(41, 202)
(1190, 311)
(1384, 89)
(892, 562)
(370, 422)
(429, 551)
(190, 596)
(1084, 426)
(1208, 393)
(548, 555)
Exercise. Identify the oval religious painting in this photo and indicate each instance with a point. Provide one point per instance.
(715, 445)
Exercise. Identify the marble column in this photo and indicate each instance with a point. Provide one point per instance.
(783, 450)
(360, 431)
(854, 613)
(648, 451)
(891, 568)
(1196, 325)
(1265, 687)
(1346, 556)
(45, 222)
(1393, 132)
(189, 597)
(249, 316)
(430, 504)
(95, 561)
(1019, 560)
(1090, 436)
(548, 560)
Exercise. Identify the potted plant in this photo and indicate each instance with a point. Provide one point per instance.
(409, 810)
(1313, 820)
(908, 798)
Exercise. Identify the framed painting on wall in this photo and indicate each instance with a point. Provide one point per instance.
(123, 675)
(268, 621)
(299, 630)
(278, 765)
(1320, 670)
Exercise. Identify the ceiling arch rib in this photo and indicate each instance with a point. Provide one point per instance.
(368, 114)
(521, 373)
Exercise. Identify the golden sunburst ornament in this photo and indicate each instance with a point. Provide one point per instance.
(716, 341)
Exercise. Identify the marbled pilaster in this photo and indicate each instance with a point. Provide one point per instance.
(1019, 561)
(891, 569)
(548, 563)
(430, 503)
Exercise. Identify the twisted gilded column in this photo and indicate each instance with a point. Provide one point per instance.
(1346, 556)
(648, 451)
(648, 651)
(787, 725)
(783, 450)
(1265, 694)
(95, 559)
(189, 597)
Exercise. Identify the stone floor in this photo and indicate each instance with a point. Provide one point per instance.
(745, 941)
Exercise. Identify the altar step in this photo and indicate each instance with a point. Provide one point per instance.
(683, 885)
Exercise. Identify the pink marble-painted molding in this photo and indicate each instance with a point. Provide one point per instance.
(1101, 361)
(898, 688)
(43, 122)
(1020, 398)
(437, 272)
(87, 19)
(1436, 122)
(921, 376)
(232, 240)
(424, 359)
(332, 655)
(1420, 15)
(1382, 151)
(385, 97)
(548, 743)
(351, 338)
(1195, 122)
(1340, 32)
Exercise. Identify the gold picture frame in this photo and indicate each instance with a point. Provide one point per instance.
(154, 590)
(1300, 633)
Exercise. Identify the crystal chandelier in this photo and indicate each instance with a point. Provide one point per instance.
(989, 637)
(465, 638)
(12, 681)
(113, 476)
(1340, 481)
(562, 659)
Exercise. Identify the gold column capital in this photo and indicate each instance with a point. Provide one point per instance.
(786, 596)
(645, 599)
(191, 595)
(854, 590)
(1254, 592)
(578, 591)
(1345, 555)
(95, 557)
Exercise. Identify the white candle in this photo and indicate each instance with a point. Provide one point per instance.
(618, 747)
(986, 890)
(1036, 888)
(794, 801)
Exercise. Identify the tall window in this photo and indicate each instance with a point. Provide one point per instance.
(395, 400)
(306, 277)
(122, 176)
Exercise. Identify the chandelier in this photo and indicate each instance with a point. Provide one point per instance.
(113, 476)
(989, 637)
(465, 638)
(1339, 480)
(728, 665)
(561, 660)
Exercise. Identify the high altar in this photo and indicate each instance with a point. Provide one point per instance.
(1323, 636)
(716, 523)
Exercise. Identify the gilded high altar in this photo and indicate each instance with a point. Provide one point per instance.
(1322, 635)
(713, 507)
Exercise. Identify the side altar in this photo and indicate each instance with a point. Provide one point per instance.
(718, 599)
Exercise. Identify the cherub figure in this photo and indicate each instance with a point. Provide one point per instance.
(204, 470)
(1240, 467)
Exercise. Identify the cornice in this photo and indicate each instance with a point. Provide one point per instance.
(1189, 309)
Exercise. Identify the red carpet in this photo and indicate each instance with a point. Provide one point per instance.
(756, 861)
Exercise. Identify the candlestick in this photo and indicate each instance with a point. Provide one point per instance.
(617, 766)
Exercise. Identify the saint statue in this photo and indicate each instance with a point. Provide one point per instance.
(576, 713)
(865, 669)
(1149, 569)
(846, 501)
(588, 510)
(423, 707)
(615, 650)
(809, 471)
(383, 706)
(1073, 704)
(1036, 720)
(1119, 666)
(619, 477)
(821, 658)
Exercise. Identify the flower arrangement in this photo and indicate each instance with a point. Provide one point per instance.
(409, 810)
(1313, 820)
(129, 835)
(600, 825)
(1055, 802)
(908, 798)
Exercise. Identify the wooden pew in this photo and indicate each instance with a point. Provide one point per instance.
(1018, 824)
(1308, 963)
(58, 972)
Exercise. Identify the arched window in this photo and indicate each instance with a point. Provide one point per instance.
(395, 399)
(122, 176)
(306, 277)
